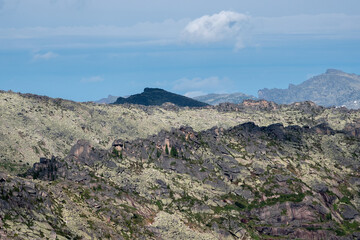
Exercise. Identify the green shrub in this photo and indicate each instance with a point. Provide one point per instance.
(328, 216)
(173, 152)
(345, 200)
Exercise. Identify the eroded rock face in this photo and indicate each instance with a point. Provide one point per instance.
(83, 152)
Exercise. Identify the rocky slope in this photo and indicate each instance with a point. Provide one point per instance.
(157, 97)
(256, 170)
(214, 99)
(247, 182)
(34, 126)
(333, 88)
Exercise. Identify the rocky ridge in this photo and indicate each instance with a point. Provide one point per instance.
(333, 88)
(34, 126)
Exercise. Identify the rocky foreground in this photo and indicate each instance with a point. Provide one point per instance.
(247, 182)
(293, 174)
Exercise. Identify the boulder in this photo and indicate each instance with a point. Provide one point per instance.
(348, 212)
(320, 188)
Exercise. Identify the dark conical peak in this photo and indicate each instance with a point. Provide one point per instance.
(158, 96)
(153, 90)
(333, 71)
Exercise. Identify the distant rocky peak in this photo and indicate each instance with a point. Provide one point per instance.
(334, 71)
(157, 97)
(332, 88)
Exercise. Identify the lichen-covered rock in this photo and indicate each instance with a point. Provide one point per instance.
(264, 172)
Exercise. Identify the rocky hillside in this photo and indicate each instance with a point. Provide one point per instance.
(34, 126)
(214, 99)
(157, 97)
(246, 182)
(256, 170)
(333, 88)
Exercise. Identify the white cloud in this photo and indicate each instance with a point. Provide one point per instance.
(200, 86)
(243, 30)
(44, 56)
(225, 25)
(93, 79)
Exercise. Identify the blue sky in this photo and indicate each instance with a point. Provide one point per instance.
(86, 49)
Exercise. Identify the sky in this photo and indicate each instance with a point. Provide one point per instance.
(84, 50)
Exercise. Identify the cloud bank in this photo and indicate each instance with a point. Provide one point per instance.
(226, 28)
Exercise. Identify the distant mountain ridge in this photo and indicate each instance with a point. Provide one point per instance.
(333, 88)
(157, 97)
(214, 99)
(108, 100)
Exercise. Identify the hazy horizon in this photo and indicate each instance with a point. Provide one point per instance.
(85, 50)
